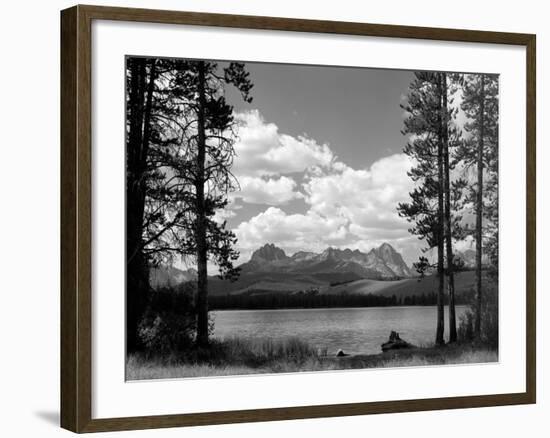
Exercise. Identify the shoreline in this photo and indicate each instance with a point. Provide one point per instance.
(139, 368)
(332, 308)
(447, 354)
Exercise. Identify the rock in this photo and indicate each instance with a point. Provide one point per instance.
(341, 353)
(395, 343)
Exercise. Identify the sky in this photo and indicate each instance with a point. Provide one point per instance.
(319, 160)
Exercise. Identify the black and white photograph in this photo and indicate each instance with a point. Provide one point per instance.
(285, 218)
(273, 219)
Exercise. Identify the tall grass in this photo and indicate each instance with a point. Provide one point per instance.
(236, 356)
(459, 357)
(262, 351)
(224, 357)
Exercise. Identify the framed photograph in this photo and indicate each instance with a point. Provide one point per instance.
(268, 219)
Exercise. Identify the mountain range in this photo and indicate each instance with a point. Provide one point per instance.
(270, 268)
(169, 276)
(331, 272)
(383, 262)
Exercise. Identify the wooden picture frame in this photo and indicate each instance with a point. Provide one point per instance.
(76, 218)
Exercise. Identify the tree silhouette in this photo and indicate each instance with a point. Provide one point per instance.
(179, 150)
(480, 104)
(452, 141)
(207, 171)
(426, 209)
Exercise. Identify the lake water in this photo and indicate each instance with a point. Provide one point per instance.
(354, 330)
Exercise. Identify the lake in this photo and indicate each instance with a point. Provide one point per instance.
(354, 330)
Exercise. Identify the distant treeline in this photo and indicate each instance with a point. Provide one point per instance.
(282, 300)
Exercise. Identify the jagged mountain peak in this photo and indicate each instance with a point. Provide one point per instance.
(381, 262)
(393, 259)
(330, 253)
(385, 248)
(269, 252)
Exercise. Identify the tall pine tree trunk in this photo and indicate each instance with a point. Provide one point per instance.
(147, 118)
(202, 281)
(479, 207)
(448, 226)
(137, 280)
(439, 339)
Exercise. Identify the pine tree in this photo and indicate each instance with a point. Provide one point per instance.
(141, 79)
(164, 177)
(480, 104)
(154, 148)
(451, 139)
(207, 171)
(426, 209)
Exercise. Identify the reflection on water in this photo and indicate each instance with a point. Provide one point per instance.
(354, 330)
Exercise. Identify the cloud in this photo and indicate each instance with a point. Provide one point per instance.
(270, 191)
(263, 151)
(292, 232)
(367, 198)
(230, 211)
(268, 161)
(466, 244)
(383, 233)
(345, 208)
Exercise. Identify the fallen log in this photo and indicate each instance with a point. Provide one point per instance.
(395, 343)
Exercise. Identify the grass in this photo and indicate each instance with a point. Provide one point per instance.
(139, 369)
(447, 355)
(261, 352)
(236, 356)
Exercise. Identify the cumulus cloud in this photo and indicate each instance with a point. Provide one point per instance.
(263, 151)
(366, 197)
(230, 211)
(268, 161)
(270, 191)
(467, 244)
(346, 207)
(293, 232)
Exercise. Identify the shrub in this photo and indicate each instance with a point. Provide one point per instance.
(169, 323)
(465, 330)
(489, 320)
